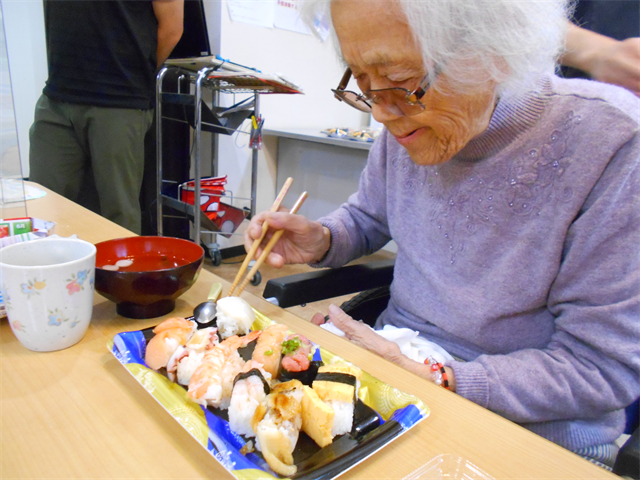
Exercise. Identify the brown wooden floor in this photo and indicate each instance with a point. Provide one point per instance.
(230, 266)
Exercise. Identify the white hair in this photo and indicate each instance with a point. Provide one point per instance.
(511, 42)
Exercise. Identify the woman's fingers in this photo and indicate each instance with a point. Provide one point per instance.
(286, 221)
(363, 335)
(275, 260)
(357, 332)
(254, 230)
(341, 319)
(354, 331)
(317, 319)
(301, 241)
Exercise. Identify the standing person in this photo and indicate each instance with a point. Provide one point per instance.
(514, 198)
(87, 139)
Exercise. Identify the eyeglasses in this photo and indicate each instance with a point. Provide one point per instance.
(398, 101)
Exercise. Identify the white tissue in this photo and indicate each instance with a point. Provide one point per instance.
(330, 327)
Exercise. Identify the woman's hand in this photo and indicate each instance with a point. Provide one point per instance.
(303, 241)
(364, 336)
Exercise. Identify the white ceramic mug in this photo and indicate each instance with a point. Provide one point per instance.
(47, 288)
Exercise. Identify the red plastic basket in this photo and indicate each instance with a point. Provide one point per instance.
(226, 217)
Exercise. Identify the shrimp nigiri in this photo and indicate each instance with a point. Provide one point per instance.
(170, 334)
(212, 382)
(187, 358)
(250, 388)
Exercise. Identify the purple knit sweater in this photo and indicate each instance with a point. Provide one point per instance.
(520, 256)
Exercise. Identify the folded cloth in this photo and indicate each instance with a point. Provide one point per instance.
(410, 342)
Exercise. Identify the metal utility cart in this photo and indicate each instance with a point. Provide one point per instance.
(189, 107)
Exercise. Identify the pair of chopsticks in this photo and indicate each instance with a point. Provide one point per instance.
(256, 243)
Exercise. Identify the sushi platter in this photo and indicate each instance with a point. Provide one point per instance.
(245, 434)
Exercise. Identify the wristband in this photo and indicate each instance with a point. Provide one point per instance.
(439, 371)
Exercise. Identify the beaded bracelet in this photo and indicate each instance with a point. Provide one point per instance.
(438, 369)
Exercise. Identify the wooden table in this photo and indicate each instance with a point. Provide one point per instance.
(77, 413)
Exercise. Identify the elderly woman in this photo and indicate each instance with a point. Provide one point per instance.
(513, 196)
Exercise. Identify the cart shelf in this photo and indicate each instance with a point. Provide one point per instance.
(190, 108)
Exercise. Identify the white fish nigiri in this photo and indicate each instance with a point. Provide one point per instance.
(277, 424)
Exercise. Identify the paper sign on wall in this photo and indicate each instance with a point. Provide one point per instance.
(287, 16)
(254, 12)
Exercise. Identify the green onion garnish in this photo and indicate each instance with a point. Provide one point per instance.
(290, 346)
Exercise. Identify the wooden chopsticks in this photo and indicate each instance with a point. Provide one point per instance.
(256, 243)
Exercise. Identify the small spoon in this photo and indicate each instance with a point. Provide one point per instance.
(206, 311)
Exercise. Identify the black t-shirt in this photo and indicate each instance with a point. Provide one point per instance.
(101, 53)
(619, 19)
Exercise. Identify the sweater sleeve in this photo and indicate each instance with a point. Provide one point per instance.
(591, 366)
(359, 227)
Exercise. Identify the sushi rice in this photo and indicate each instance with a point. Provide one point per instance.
(234, 317)
(248, 393)
(343, 416)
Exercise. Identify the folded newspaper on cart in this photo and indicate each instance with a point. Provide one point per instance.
(257, 81)
(231, 75)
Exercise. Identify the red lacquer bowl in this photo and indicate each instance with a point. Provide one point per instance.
(145, 275)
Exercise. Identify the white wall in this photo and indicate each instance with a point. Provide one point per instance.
(26, 49)
(303, 59)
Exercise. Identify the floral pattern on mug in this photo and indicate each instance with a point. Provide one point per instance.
(82, 276)
(56, 318)
(76, 282)
(75, 322)
(6, 299)
(18, 327)
(73, 287)
(32, 287)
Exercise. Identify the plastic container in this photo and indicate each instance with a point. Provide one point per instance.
(226, 217)
(450, 467)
